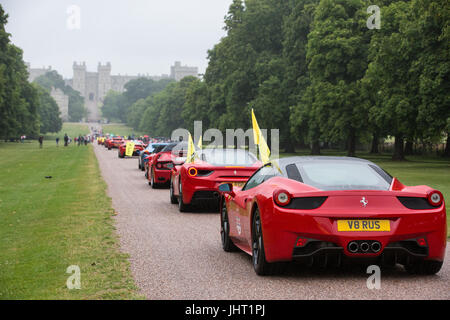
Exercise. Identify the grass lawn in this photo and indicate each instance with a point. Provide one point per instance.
(417, 170)
(51, 224)
(120, 130)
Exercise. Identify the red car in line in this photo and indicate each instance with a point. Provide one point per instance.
(114, 142)
(138, 147)
(328, 210)
(198, 182)
(159, 165)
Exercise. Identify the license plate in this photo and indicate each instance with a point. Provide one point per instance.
(236, 183)
(364, 225)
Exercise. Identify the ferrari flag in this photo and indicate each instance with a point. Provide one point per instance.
(129, 149)
(190, 150)
(264, 151)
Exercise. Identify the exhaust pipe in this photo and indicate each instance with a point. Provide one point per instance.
(364, 247)
(376, 246)
(353, 247)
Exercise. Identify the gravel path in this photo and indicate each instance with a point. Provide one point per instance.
(179, 256)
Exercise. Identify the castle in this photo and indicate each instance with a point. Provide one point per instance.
(94, 86)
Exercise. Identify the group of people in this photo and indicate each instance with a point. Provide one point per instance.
(84, 139)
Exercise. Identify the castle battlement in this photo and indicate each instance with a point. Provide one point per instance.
(94, 86)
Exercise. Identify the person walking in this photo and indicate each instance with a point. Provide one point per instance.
(57, 141)
(41, 141)
(66, 140)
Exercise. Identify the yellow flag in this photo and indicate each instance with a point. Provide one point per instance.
(199, 144)
(129, 149)
(190, 150)
(264, 151)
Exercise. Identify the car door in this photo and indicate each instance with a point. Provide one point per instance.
(243, 202)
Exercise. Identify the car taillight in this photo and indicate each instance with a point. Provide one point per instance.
(192, 171)
(282, 197)
(435, 198)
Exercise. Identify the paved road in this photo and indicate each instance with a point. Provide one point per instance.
(179, 256)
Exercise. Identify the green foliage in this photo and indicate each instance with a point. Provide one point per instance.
(49, 114)
(18, 99)
(120, 107)
(77, 111)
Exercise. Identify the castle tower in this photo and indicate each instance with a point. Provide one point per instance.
(104, 80)
(79, 78)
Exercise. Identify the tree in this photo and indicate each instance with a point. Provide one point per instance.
(18, 99)
(337, 56)
(52, 79)
(49, 114)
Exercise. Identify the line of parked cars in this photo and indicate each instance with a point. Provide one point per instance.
(319, 211)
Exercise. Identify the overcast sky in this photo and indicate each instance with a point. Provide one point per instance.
(136, 36)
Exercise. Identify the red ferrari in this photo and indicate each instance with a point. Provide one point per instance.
(198, 182)
(327, 210)
(160, 164)
(113, 142)
(138, 147)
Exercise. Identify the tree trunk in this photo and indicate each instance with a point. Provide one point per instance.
(289, 146)
(408, 148)
(374, 147)
(447, 146)
(315, 149)
(398, 148)
(351, 143)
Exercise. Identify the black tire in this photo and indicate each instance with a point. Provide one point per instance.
(424, 267)
(173, 199)
(153, 184)
(260, 265)
(182, 207)
(227, 243)
(139, 165)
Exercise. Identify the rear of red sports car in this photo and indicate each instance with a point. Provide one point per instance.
(326, 211)
(396, 226)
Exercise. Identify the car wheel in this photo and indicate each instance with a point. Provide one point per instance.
(182, 207)
(261, 266)
(139, 165)
(424, 267)
(152, 179)
(227, 243)
(173, 198)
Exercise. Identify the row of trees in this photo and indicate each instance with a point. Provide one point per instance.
(313, 69)
(25, 109)
(117, 106)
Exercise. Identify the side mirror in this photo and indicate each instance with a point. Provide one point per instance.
(227, 188)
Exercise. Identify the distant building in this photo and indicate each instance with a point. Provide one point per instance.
(33, 73)
(94, 86)
(62, 100)
(178, 71)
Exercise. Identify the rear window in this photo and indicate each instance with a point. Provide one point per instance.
(228, 157)
(340, 175)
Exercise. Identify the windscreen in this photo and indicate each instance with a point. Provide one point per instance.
(340, 175)
(228, 157)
